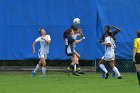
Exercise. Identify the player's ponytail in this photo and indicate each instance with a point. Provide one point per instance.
(138, 34)
(74, 27)
(65, 34)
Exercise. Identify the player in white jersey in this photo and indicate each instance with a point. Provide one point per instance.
(45, 41)
(109, 55)
(115, 30)
(77, 32)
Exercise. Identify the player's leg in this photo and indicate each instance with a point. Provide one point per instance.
(71, 67)
(38, 65)
(101, 65)
(77, 64)
(103, 73)
(36, 69)
(43, 62)
(138, 72)
(115, 69)
(113, 74)
(137, 65)
(43, 58)
(74, 62)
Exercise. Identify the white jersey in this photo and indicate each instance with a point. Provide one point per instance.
(109, 51)
(107, 48)
(75, 36)
(44, 47)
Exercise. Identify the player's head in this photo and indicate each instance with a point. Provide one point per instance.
(138, 34)
(108, 33)
(70, 31)
(107, 28)
(42, 31)
(75, 29)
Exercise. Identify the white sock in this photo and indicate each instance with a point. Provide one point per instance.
(116, 71)
(74, 67)
(103, 68)
(36, 68)
(43, 71)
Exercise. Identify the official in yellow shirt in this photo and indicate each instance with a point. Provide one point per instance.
(136, 55)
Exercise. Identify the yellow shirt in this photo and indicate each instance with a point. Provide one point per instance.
(137, 45)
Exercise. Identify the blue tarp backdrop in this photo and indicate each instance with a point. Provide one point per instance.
(21, 19)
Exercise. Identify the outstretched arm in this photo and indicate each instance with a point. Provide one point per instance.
(78, 41)
(134, 53)
(116, 30)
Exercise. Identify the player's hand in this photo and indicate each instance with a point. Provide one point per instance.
(113, 26)
(103, 43)
(43, 38)
(80, 31)
(134, 60)
(34, 52)
(118, 29)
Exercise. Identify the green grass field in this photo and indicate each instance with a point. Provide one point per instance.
(22, 82)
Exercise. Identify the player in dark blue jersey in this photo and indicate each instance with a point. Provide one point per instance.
(114, 33)
(69, 49)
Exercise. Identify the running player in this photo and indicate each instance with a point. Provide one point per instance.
(70, 43)
(109, 55)
(114, 33)
(45, 41)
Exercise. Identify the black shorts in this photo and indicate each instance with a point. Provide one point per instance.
(70, 55)
(137, 58)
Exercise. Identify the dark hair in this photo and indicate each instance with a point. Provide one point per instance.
(66, 33)
(39, 30)
(109, 32)
(138, 34)
(107, 28)
(74, 27)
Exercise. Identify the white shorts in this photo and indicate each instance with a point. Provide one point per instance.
(42, 55)
(109, 57)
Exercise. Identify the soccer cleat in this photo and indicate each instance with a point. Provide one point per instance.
(102, 75)
(81, 72)
(120, 77)
(44, 76)
(33, 74)
(113, 75)
(76, 74)
(107, 74)
(67, 72)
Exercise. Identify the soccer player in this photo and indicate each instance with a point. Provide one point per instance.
(136, 55)
(77, 32)
(70, 43)
(45, 41)
(109, 55)
(114, 33)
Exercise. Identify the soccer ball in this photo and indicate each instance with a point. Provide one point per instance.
(76, 21)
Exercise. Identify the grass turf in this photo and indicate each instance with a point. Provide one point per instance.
(22, 82)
